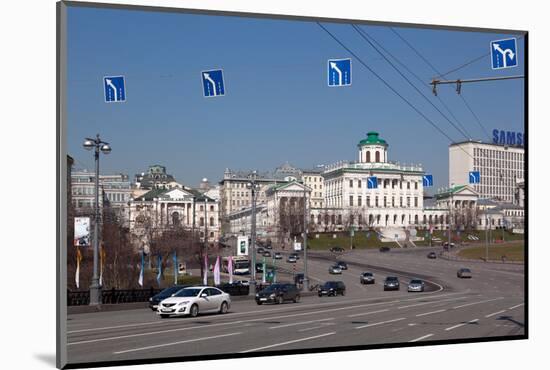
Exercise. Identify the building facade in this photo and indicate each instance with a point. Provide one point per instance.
(314, 180)
(500, 167)
(115, 191)
(396, 201)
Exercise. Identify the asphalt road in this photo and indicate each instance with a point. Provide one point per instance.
(491, 304)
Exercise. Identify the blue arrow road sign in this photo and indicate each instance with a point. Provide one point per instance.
(474, 177)
(504, 53)
(115, 90)
(372, 182)
(428, 180)
(339, 72)
(212, 83)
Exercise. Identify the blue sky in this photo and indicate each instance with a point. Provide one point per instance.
(277, 106)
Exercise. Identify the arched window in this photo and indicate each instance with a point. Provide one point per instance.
(377, 156)
(368, 157)
(211, 221)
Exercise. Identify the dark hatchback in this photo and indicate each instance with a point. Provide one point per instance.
(278, 293)
(166, 293)
(391, 283)
(342, 265)
(332, 288)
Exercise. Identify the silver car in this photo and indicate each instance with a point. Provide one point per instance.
(416, 285)
(335, 269)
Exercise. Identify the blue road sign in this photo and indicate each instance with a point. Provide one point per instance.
(212, 83)
(339, 72)
(504, 53)
(115, 90)
(372, 182)
(428, 180)
(475, 178)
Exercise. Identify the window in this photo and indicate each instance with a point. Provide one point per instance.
(351, 200)
(368, 156)
(393, 201)
(376, 201)
(377, 156)
(359, 201)
(211, 221)
(359, 184)
(212, 208)
(201, 221)
(400, 201)
(351, 183)
(385, 202)
(415, 185)
(416, 201)
(368, 201)
(408, 185)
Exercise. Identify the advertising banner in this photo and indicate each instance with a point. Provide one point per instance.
(81, 231)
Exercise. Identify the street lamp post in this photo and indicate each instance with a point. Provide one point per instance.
(253, 186)
(306, 279)
(98, 145)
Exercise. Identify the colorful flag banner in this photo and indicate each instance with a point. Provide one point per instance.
(205, 276)
(217, 271)
(263, 271)
(230, 269)
(102, 257)
(78, 259)
(140, 279)
(159, 264)
(175, 268)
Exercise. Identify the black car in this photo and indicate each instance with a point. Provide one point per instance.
(342, 264)
(366, 278)
(296, 255)
(384, 249)
(391, 283)
(260, 250)
(259, 267)
(166, 293)
(332, 288)
(432, 255)
(278, 293)
(337, 249)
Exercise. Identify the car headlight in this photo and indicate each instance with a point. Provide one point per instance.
(257, 294)
(182, 303)
(151, 299)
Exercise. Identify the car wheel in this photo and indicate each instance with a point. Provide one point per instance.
(320, 295)
(280, 300)
(223, 308)
(194, 311)
(343, 292)
(163, 316)
(297, 298)
(259, 303)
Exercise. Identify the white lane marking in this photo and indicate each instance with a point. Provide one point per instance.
(516, 306)
(300, 323)
(367, 313)
(464, 323)
(380, 323)
(174, 343)
(425, 303)
(471, 304)
(317, 327)
(494, 313)
(288, 342)
(424, 337)
(429, 313)
(168, 323)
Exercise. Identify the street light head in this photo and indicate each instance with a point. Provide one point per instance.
(106, 149)
(88, 145)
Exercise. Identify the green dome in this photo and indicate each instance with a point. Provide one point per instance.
(372, 139)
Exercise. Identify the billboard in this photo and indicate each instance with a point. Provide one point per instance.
(81, 231)
(242, 246)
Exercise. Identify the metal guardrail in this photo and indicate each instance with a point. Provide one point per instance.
(112, 296)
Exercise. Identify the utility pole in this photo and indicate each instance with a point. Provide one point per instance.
(306, 280)
(252, 186)
(206, 232)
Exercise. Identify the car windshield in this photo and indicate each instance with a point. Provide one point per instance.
(329, 285)
(465, 270)
(170, 291)
(367, 274)
(416, 281)
(189, 292)
(391, 278)
(273, 288)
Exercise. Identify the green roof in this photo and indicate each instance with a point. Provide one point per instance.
(372, 139)
(450, 191)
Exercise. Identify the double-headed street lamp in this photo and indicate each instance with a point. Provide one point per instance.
(98, 145)
(253, 187)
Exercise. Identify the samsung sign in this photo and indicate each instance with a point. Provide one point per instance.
(510, 138)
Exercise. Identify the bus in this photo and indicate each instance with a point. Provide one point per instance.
(241, 265)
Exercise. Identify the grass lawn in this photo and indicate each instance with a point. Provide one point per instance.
(513, 251)
(343, 240)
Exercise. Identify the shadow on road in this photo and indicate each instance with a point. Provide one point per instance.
(509, 318)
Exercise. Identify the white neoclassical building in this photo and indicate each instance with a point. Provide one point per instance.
(160, 209)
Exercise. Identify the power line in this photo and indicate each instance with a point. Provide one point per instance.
(475, 116)
(366, 37)
(390, 87)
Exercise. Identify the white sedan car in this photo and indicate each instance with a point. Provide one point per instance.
(192, 300)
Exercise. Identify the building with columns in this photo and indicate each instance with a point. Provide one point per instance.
(160, 209)
(397, 200)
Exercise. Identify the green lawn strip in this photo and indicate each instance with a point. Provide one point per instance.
(513, 251)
